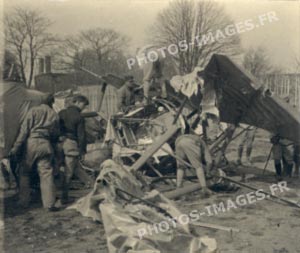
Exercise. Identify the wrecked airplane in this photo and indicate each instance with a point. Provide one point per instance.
(120, 199)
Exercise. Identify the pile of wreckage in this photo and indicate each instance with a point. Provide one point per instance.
(143, 156)
(131, 154)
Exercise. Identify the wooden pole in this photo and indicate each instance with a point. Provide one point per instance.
(217, 227)
(101, 96)
(180, 110)
(268, 159)
(182, 191)
(154, 147)
(266, 193)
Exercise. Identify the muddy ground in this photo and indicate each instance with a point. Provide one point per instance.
(265, 226)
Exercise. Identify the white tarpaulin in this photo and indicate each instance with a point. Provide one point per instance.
(124, 220)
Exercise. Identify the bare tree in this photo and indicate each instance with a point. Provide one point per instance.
(68, 53)
(26, 35)
(99, 49)
(257, 62)
(190, 21)
(103, 42)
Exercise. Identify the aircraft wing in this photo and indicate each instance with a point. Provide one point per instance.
(241, 98)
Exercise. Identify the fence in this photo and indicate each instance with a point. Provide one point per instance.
(109, 103)
(284, 85)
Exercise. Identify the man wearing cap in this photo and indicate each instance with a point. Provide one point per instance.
(126, 94)
(38, 134)
(73, 139)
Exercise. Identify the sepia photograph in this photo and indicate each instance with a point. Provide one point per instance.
(150, 126)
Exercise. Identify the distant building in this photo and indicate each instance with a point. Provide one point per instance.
(54, 82)
(47, 81)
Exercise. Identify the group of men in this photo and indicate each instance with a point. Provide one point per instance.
(42, 136)
(152, 78)
(192, 148)
(48, 141)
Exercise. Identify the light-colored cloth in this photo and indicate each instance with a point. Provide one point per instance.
(110, 132)
(122, 222)
(188, 84)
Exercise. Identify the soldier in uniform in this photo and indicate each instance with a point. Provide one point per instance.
(191, 148)
(283, 156)
(38, 134)
(247, 140)
(152, 72)
(73, 139)
(126, 95)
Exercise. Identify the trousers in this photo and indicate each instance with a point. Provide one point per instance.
(45, 172)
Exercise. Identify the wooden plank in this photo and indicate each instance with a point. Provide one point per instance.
(182, 191)
(214, 226)
(150, 151)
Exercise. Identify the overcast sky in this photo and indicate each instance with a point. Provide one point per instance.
(133, 17)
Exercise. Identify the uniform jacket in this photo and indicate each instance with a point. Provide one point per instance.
(39, 131)
(73, 127)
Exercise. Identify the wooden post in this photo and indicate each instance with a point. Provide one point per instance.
(182, 191)
(101, 96)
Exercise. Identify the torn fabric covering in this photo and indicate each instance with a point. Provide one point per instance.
(15, 101)
(240, 98)
(110, 132)
(188, 84)
(122, 220)
(121, 231)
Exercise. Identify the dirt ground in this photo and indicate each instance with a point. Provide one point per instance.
(265, 226)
